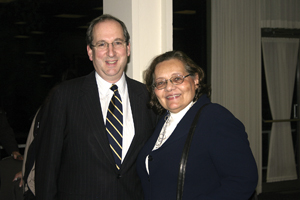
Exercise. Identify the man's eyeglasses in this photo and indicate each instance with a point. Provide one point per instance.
(117, 44)
(161, 83)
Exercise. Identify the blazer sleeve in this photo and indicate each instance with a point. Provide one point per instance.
(231, 155)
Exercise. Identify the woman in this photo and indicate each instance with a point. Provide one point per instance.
(220, 163)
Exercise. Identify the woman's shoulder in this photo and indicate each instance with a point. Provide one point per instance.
(215, 112)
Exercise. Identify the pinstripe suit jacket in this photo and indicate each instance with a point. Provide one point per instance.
(74, 160)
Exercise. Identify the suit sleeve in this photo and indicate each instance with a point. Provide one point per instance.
(49, 146)
(232, 157)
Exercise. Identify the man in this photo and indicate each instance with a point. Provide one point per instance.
(75, 158)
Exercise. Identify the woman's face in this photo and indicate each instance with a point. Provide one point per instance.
(174, 97)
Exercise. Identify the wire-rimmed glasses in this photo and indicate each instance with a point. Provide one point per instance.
(102, 45)
(161, 83)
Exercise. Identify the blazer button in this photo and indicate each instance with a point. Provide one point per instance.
(119, 176)
(150, 158)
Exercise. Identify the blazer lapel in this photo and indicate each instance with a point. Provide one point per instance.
(185, 123)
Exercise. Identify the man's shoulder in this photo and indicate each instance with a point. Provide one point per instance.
(136, 86)
(76, 83)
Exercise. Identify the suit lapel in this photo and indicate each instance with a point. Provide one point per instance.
(92, 107)
(135, 96)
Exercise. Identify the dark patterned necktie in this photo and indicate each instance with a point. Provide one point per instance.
(114, 125)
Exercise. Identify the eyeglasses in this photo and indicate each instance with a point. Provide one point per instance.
(161, 83)
(117, 44)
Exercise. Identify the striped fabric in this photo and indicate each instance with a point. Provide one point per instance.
(114, 125)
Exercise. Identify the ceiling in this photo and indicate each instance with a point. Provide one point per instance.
(29, 17)
(38, 32)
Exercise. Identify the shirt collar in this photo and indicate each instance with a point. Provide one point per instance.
(178, 116)
(104, 86)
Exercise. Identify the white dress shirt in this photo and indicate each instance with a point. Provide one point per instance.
(105, 94)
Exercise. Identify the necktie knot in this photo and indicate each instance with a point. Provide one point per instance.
(114, 88)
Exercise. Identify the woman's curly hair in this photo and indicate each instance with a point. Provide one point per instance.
(190, 66)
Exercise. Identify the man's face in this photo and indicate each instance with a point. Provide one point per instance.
(110, 62)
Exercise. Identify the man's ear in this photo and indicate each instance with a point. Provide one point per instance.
(128, 49)
(89, 52)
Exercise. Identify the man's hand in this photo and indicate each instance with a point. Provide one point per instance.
(17, 155)
(17, 177)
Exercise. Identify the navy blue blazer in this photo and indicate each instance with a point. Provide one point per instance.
(220, 163)
(74, 160)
